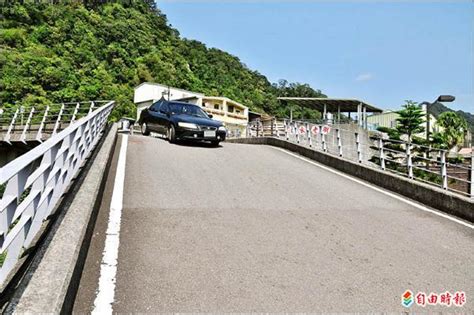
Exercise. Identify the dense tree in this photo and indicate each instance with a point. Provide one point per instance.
(453, 130)
(438, 108)
(98, 49)
(286, 89)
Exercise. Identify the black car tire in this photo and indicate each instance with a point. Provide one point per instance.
(145, 130)
(215, 143)
(171, 134)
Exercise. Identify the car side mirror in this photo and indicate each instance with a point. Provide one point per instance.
(210, 115)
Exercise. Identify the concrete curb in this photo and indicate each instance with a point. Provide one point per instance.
(432, 196)
(53, 284)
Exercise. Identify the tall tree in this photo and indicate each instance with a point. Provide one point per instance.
(410, 120)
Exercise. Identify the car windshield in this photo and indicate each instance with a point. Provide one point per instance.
(193, 110)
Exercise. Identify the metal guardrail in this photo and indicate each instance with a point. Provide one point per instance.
(425, 164)
(37, 123)
(34, 182)
(349, 141)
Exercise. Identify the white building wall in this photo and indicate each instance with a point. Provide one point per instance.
(154, 91)
(389, 120)
(141, 106)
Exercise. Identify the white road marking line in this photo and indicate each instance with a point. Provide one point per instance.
(414, 204)
(108, 268)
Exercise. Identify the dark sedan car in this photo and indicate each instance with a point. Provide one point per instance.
(181, 121)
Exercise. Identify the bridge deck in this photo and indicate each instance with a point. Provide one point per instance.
(251, 228)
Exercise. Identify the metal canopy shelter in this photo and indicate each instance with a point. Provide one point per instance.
(332, 104)
(335, 105)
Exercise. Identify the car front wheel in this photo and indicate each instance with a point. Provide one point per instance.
(171, 134)
(145, 130)
(215, 143)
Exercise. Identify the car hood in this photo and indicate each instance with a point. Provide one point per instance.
(196, 120)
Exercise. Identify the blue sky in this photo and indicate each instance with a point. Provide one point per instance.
(381, 52)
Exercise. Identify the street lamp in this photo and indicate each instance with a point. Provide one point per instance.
(442, 99)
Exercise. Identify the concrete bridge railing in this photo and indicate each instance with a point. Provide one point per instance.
(33, 184)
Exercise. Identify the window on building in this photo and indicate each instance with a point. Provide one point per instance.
(216, 106)
(237, 111)
(230, 109)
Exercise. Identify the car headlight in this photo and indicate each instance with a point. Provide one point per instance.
(222, 128)
(188, 125)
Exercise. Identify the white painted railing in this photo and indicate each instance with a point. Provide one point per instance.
(348, 141)
(34, 183)
(37, 123)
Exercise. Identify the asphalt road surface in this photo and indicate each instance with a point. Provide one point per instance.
(247, 228)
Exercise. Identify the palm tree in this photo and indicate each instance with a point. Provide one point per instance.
(454, 127)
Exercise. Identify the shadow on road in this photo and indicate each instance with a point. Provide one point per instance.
(197, 144)
(189, 143)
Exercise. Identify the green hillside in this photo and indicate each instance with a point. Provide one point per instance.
(76, 51)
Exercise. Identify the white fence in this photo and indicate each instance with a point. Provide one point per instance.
(37, 123)
(350, 141)
(34, 183)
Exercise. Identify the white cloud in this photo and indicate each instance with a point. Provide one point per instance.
(364, 77)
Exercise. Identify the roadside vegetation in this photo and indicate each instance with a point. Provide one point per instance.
(454, 127)
(438, 108)
(411, 121)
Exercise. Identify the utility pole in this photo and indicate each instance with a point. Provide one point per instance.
(427, 105)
